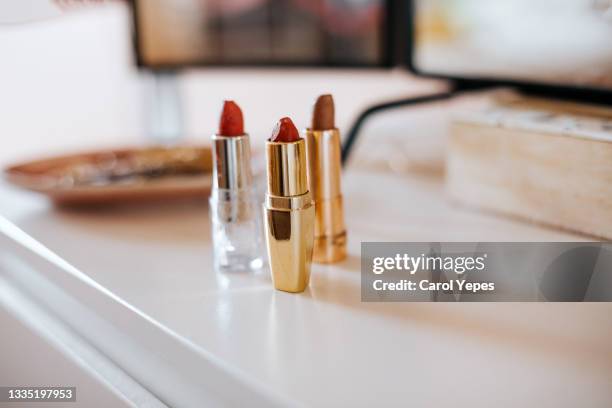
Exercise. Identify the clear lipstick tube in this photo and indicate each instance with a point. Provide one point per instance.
(237, 231)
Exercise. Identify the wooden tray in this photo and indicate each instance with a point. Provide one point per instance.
(122, 175)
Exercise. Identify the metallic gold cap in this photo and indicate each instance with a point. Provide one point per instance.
(287, 168)
(324, 169)
(289, 216)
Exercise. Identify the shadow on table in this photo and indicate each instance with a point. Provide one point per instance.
(523, 327)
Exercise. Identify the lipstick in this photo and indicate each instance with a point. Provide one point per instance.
(235, 218)
(324, 167)
(288, 208)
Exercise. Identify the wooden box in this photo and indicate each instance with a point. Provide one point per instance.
(538, 160)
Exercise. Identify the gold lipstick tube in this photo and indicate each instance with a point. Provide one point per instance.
(289, 216)
(324, 168)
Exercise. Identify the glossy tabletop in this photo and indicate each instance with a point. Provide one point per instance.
(325, 347)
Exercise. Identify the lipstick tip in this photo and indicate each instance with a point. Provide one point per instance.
(323, 114)
(285, 131)
(231, 123)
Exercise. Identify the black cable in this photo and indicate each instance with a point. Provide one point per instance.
(363, 116)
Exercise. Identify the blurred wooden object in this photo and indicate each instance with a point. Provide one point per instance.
(119, 175)
(549, 162)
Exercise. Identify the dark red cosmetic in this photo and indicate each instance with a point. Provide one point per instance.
(231, 123)
(285, 131)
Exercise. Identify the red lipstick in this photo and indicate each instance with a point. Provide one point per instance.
(289, 211)
(285, 131)
(235, 217)
(231, 123)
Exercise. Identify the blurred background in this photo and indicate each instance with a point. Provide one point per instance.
(83, 74)
(70, 80)
(547, 41)
(261, 31)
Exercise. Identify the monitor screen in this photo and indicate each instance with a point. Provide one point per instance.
(554, 42)
(175, 33)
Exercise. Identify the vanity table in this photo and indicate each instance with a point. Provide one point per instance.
(126, 302)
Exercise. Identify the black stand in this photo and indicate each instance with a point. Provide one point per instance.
(455, 89)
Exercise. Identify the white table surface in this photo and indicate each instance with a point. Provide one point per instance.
(325, 347)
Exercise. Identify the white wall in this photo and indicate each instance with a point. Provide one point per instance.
(68, 79)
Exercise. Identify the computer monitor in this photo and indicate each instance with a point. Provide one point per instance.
(187, 33)
(550, 43)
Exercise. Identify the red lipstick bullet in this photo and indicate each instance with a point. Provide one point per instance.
(231, 123)
(285, 131)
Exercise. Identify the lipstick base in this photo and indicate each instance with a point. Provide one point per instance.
(329, 249)
(330, 233)
(290, 239)
(236, 231)
(324, 171)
